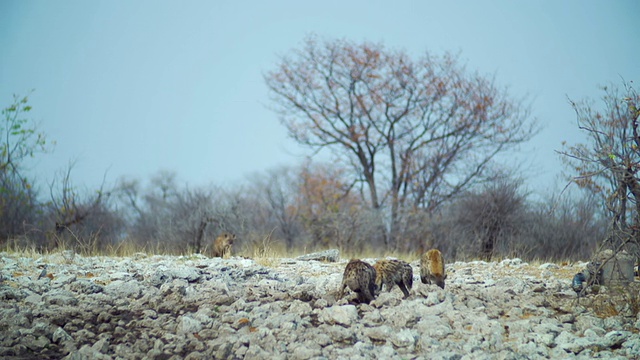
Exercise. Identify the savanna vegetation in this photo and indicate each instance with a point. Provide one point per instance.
(414, 143)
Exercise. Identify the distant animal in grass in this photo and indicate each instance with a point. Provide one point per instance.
(223, 244)
(394, 272)
(432, 268)
(360, 278)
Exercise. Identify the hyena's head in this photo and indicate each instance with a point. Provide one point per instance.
(222, 244)
(435, 262)
(360, 277)
(432, 268)
(228, 238)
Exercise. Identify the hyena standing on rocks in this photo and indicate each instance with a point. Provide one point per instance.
(222, 245)
(360, 278)
(394, 272)
(432, 268)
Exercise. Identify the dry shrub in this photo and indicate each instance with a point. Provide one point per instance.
(615, 301)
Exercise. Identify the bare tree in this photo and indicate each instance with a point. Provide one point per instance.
(501, 220)
(415, 131)
(67, 206)
(608, 164)
(165, 214)
(83, 220)
(193, 212)
(278, 190)
(128, 192)
(565, 227)
(493, 215)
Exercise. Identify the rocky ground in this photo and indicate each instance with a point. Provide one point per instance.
(165, 307)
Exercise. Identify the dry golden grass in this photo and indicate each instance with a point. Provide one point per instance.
(264, 249)
(266, 253)
(122, 249)
(24, 251)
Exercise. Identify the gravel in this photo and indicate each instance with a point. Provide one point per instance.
(194, 307)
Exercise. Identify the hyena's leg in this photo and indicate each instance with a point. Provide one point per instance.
(408, 281)
(366, 295)
(341, 291)
(372, 291)
(387, 284)
(404, 289)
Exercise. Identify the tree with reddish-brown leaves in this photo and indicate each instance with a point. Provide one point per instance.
(328, 207)
(415, 131)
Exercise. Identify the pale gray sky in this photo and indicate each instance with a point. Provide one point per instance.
(133, 87)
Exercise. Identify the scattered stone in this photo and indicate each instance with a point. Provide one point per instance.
(187, 325)
(404, 338)
(572, 343)
(193, 307)
(187, 273)
(124, 289)
(342, 315)
(69, 256)
(379, 334)
(547, 266)
(60, 297)
(331, 255)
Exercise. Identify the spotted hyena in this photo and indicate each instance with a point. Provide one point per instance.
(222, 245)
(432, 268)
(360, 277)
(394, 272)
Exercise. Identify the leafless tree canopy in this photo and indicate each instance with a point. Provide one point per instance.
(493, 215)
(416, 132)
(608, 164)
(78, 219)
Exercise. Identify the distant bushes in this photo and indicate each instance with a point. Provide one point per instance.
(281, 211)
(499, 221)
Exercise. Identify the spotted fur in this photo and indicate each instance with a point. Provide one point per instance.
(394, 272)
(360, 278)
